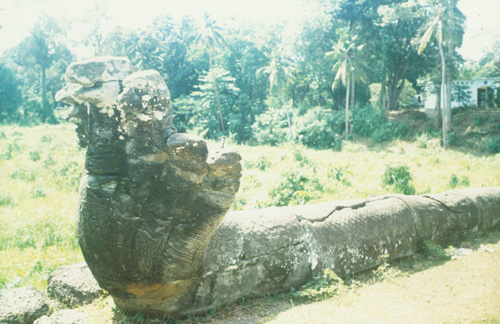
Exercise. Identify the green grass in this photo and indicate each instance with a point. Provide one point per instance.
(357, 171)
(40, 169)
(39, 174)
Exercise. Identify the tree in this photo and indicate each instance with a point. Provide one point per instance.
(36, 55)
(312, 39)
(197, 111)
(210, 36)
(462, 94)
(446, 26)
(94, 18)
(280, 71)
(165, 47)
(348, 67)
(399, 24)
(10, 95)
(242, 58)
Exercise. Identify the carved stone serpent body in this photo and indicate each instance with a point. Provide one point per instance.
(152, 205)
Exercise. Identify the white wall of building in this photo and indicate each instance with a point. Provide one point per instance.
(473, 84)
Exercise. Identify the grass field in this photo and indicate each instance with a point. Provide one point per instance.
(40, 169)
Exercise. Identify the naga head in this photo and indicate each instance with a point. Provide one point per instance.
(150, 198)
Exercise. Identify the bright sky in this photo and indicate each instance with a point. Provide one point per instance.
(483, 26)
(19, 16)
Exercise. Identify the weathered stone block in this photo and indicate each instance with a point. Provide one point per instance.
(22, 305)
(73, 285)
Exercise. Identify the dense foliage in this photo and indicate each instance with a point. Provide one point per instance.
(262, 84)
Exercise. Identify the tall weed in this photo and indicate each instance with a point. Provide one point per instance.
(400, 178)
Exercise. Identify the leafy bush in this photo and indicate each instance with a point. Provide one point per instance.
(34, 156)
(7, 153)
(456, 181)
(301, 157)
(423, 140)
(293, 189)
(492, 143)
(406, 98)
(38, 192)
(320, 129)
(371, 122)
(391, 131)
(271, 127)
(400, 178)
(367, 120)
(479, 121)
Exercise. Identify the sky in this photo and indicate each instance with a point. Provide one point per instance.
(17, 17)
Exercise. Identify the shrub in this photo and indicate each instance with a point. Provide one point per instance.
(456, 181)
(406, 98)
(492, 143)
(367, 120)
(479, 121)
(371, 122)
(300, 156)
(320, 129)
(400, 178)
(34, 156)
(271, 127)
(422, 140)
(391, 131)
(46, 139)
(294, 187)
(38, 192)
(7, 153)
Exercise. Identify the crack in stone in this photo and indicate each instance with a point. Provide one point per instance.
(444, 205)
(337, 208)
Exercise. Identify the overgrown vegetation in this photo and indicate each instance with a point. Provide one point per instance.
(40, 170)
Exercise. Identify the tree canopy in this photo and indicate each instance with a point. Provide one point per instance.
(256, 82)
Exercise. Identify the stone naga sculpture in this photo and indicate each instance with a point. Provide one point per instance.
(152, 204)
(150, 198)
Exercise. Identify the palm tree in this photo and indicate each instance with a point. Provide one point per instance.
(349, 67)
(445, 26)
(210, 36)
(280, 71)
